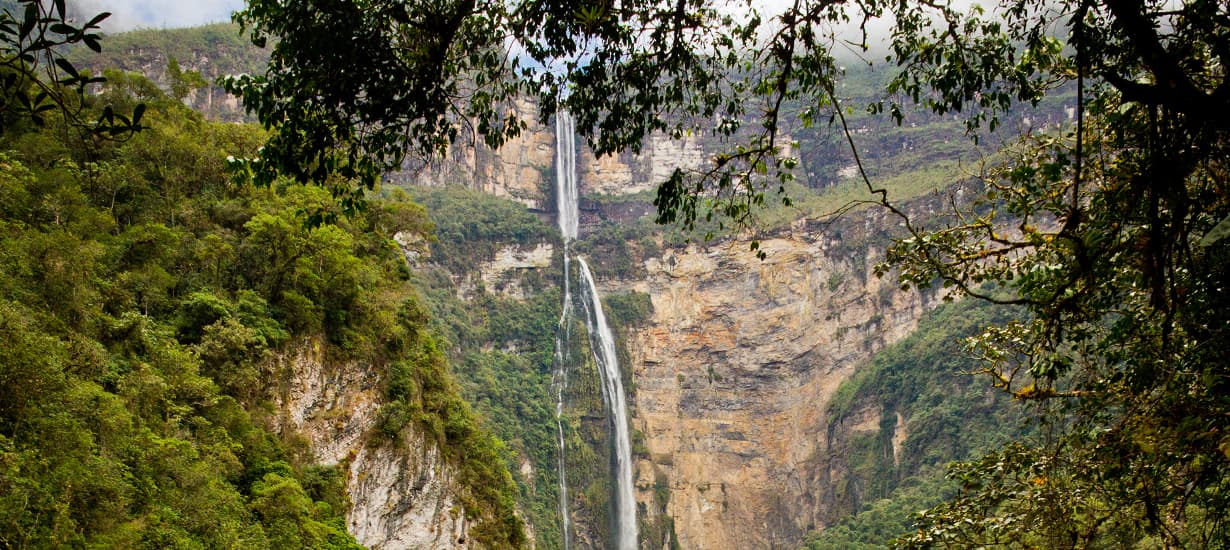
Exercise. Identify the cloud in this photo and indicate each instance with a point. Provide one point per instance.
(157, 14)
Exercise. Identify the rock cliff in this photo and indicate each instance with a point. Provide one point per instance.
(402, 494)
(734, 375)
(523, 169)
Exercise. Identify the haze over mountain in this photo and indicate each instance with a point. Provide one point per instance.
(134, 14)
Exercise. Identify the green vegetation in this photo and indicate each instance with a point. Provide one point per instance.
(221, 44)
(184, 62)
(628, 309)
(947, 414)
(501, 347)
(1112, 233)
(143, 296)
(618, 249)
(40, 83)
(881, 521)
(470, 226)
(134, 330)
(503, 340)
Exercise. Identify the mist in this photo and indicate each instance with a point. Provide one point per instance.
(155, 14)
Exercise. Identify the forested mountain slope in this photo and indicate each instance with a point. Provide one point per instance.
(167, 333)
(184, 62)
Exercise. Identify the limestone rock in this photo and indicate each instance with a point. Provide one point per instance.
(402, 494)
(735, 372)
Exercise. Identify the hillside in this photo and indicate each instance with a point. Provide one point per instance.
(212, 50)
(189, 363)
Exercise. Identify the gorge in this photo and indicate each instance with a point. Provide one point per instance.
(982, 306)
(737, 364)
(650, 389)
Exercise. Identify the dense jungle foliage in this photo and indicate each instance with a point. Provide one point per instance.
(931, 411)
(501, 347)
(140, 304)
(144, 298)
(1111, 232)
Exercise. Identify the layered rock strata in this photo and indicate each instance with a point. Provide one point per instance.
(736, 370)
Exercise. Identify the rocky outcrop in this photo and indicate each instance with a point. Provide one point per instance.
(627, 173)
(402, 494)
(402, 497)
(511, 259)
(521, 170)
(735, 371)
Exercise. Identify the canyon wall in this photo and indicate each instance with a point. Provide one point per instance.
(733, 373)
(403, 494)
(523, 169)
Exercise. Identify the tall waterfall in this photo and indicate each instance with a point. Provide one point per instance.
(566, 205)
(566, 179)
(602, 343)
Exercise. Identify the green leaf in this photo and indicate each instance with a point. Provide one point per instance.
(31, 17)
(67, 67)
(96, 20)
(1219, 232)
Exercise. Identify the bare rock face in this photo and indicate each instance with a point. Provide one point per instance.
(402, 494)
(511, 259)
(734, 375)
(626, 174)
(403, 498)
(521, 170)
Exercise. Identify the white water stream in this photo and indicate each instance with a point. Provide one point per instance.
(602, 343)
(566, 205)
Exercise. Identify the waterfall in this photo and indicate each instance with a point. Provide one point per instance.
(602, 343)
(566, 205)
(566, 179)
(559, 381)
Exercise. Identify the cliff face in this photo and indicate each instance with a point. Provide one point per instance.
(627, 173)
(402, 494)
(214, 51)
(734, 375)
(523, 169)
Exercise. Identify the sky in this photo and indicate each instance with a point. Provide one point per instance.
(158, 14)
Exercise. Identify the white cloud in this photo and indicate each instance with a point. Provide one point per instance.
(157, 14)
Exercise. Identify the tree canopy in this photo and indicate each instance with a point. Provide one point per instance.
(1111, 231)
(144, 301)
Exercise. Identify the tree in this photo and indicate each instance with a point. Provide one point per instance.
(35, 77)
(183, 82)
(1112, 233)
